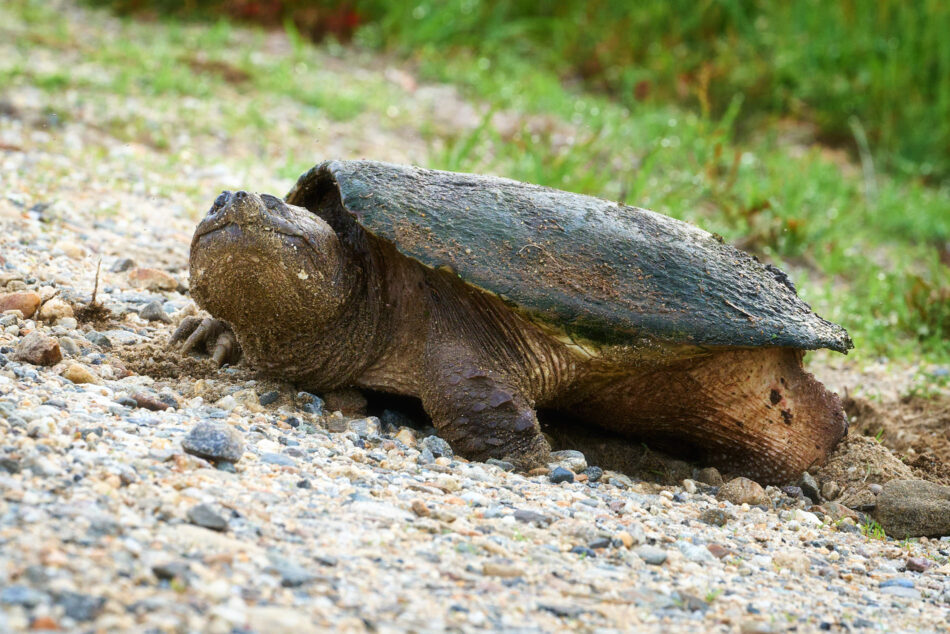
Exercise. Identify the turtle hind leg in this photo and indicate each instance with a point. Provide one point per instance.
(214, 335)
(753, 412)
(477, 410)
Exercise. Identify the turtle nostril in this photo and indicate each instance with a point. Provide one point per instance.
(241, 195)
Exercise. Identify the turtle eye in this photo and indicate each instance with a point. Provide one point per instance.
(220, 201)
(271, 202)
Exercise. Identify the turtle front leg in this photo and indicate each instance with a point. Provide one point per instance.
(214, 335)
(478, 410)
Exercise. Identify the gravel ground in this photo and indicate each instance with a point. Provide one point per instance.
(140, 491)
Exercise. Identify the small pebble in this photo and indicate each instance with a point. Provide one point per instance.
(99, 339)
(216, 441)
(55, 309)
(154, 311)
(583, 550)
(437, 446)
(406, 437)
(149, 402)
(501, 570)
(714, 517)
(560, 474)
(710, 476)
(830, 490)
(809, 487)
(569, 459)
(651, 555)
(269, 397)
(743, 491)
(38, 349)
(27, 303)
(78, 373)
(594, 474)
(121, 265)
(205, 515)
(532, 517)
(501, 464)
(152, 279)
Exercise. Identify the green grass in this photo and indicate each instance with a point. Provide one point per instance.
(872, 530)
(863, 243)
(883, 66)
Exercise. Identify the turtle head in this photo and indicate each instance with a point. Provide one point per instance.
(259, 263)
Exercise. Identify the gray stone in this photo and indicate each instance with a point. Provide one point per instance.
(901, 591)
(809, 487)
(169, 570)
(532, 517)
(80, 607)
(310, 403)
(830, 490)
(99, 339)
(10, 465)
(292, 575)
(695, 552)
(560, 474)
(122, 265)
(651, 555)
(569, 459)
(22, 595)
(123, 337)
(914, 508)
(69, 346)
(268, 397)
(278, 459)
(153, 311)
(437, 446)
(501, 464)
(205, 515)
(215, 441)
(594, 474)
(365, 427)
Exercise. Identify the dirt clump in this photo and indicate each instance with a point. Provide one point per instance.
(857, 464)
(159, 362)
(915, 428)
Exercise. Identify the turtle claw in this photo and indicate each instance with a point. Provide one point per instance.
(536, 453)
(214, 335)
(226, 347)
(184, 330)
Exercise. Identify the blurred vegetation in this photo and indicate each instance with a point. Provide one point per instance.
(879, 70)
(729, 115)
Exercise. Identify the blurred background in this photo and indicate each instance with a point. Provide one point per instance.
(815, 134)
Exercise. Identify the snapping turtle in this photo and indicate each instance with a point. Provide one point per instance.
(488, 299)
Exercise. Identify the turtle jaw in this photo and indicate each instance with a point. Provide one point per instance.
(256, 260)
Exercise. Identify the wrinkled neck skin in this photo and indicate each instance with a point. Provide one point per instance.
(329, 351)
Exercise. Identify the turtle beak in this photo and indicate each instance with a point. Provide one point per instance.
(239, 208)
(248, 211)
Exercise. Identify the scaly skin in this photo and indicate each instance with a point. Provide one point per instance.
(314, 299)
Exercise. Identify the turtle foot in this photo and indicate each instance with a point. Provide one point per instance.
(535, 453)
(213, 335)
